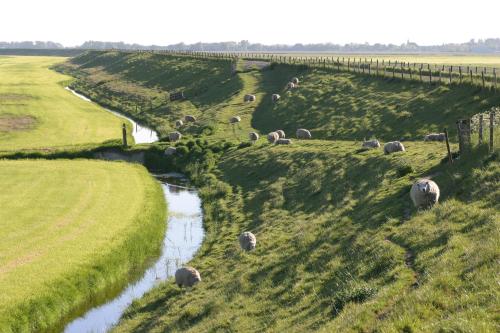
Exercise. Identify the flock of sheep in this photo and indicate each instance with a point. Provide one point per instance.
(424, 193)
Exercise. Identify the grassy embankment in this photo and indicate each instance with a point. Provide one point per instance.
(70, 230)
(340, 247)
(37, 113)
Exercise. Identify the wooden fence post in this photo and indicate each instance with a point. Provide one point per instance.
(402, 73)
(492, 117)
(495, 77)
(377, 67)
(420, 72)
(450, 159)
(124, 134)
(451, 70)
(430, 76)
(480, 131)
(482, 77)
(460, 73)
(471, 80)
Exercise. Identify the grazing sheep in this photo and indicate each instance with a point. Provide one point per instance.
(303, 134)
(281, 133)
(170, 151)
(393, 146)
(424, 193)
(247, 241)
(282, 141)
(190, 119)
(179, 123)
(234, 120)
(249, 98)
(371, 144)
(275, 97)
(253, 136)
(295, 80)
(174, 136)
(290, 85)
(187, 277)
(273, 137)
(434, 137)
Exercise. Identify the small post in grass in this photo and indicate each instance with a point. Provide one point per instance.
(124, 133)
(480, 129)
(450, 159)
(492, 117)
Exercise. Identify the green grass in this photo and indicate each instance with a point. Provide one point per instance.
(340, 247)
(71, 231)
(36, 111)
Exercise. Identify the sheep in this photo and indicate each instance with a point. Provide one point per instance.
(179, 123)
(249, 98)
(187, 277)
(273, 137)
(282, 141)
(170, 151)
(174, 136)
(393, 146)
(253, 136)
(275, 97)
(371, 144)
(247, 241)
(190, 119)
(434, 137)
(234, 120)
(281, 133)
(290, 85)
(295, 80)
(424, 193)
(303, 134)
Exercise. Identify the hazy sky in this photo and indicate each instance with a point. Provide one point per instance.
(266, 21)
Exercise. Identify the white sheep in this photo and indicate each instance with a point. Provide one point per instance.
(174, 136)
(187, 277)
(190, 119)
(282, 141)
(424, 193)
(170, 151)
(275, 97)
(253, 136)
(295, 80)
(249, 98)
(393, 146)
(179, 123)
(281, 133)
(247, 241)
(290, 85)
(302, 133)
(235, 119)
(273, 137)
(435, 137)
(371, 144)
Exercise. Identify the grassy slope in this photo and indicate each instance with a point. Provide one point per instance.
(29, 88)
(339, 245)
(70, 230)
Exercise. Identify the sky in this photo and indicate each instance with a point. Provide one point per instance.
(426, 22)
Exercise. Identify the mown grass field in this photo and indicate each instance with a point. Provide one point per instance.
(70, 232)
(340, 247)
(37, 113)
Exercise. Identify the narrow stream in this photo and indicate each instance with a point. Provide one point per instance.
(183, 238)
(141, 134)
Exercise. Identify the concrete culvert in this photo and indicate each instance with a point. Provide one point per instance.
(302, 133)
(393, 146)
(371, 144)
(253, 136)
(170, 151)
(187, 277)
(234, 120)
(190, 118)
(179, 123)
(275, 97)
(424, 193)
(295, 80)
(281, 133)
(273, 137)
(174, 136)
(435, 137)
(247, 241)
(282, 141)
(249, 98)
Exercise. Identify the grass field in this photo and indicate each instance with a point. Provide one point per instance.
(70, 230)
(36, 111)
